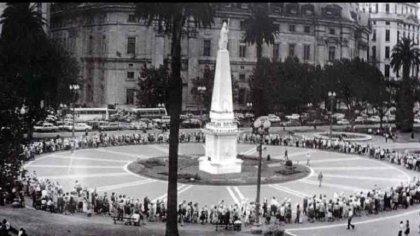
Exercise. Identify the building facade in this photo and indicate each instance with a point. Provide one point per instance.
(390, 22)
(112, 46)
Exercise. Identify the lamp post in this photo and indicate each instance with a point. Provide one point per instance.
(261, 128)
(62, 107)
(73, 89)
(331, 95)
(249, 106)
(201, 91)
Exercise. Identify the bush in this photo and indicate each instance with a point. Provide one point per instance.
(152, 162)
(189, 177)
(289, 163)
(274, 230)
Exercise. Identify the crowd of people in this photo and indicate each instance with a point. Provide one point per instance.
(49, 195)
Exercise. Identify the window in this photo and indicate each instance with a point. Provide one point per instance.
(398, 35)
(331, 54)
(395, 10)
(386, 52)
(386, 71)
(386, 22)
(377, 8)
(130, 96)
(131, 18)
(242, 25)
(374, 36)
(207, 48)
(374, 22)
(387, 35)
(292, 28)
(387, 8)
(332, 31)
(242, 50)
(374, 52)
(370, 9)
(306, 52)
(131, 45)
(241, 77)
(130, 75)
(291, 50)
(307, 29)
(276, 48)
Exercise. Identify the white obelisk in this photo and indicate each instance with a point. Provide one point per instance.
(221, 133)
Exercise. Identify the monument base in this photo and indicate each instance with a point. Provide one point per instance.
(222, 167)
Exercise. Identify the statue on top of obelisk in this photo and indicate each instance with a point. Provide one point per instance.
(223, 41)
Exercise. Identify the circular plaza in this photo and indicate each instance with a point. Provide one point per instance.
(106, 170)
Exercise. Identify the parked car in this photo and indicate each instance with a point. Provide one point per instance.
(125, 125)
(191, 123)
(293, 117)
(273, 118)
(338, 116)
(239, 116)
(109, 126)
(68, 126)
(139, 125)
(374, 119)
(249, 115)
(343, 122)
(389, 118)
(45, 127)
(148, 122)
(360, 119)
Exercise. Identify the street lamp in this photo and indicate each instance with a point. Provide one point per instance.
(62, 107)
(261, 128)
(331, 95)
(201, 91)
(249, 106)
(73, 89)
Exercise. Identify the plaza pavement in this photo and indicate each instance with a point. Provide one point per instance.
(105, 169)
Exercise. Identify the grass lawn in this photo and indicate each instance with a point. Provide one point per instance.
(273, 171)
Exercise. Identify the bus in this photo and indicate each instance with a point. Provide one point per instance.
(89, 114)
(150, 113)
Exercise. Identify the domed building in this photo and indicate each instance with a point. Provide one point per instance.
(112, 46)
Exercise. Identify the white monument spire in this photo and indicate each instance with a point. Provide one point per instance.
(221, 132)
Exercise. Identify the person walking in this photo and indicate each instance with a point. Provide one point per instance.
(308, 158)
(320, 176)
(407, 228)
(400, 230)
(350, 219)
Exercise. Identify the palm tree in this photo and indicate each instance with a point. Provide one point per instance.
(405, 54)
(171, 19)
(259, 28)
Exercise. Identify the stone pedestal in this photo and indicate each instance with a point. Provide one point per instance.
(220, 157)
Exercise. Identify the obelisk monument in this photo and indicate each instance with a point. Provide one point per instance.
(221, 133)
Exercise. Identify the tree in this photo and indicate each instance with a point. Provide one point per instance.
(381, 99)
(171, 19)
(354, 84)
(153, 83)
(405, 54)
(37, 69)
(259, 28)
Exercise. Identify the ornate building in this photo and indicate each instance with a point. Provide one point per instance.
(112, 46)
(390, 22)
